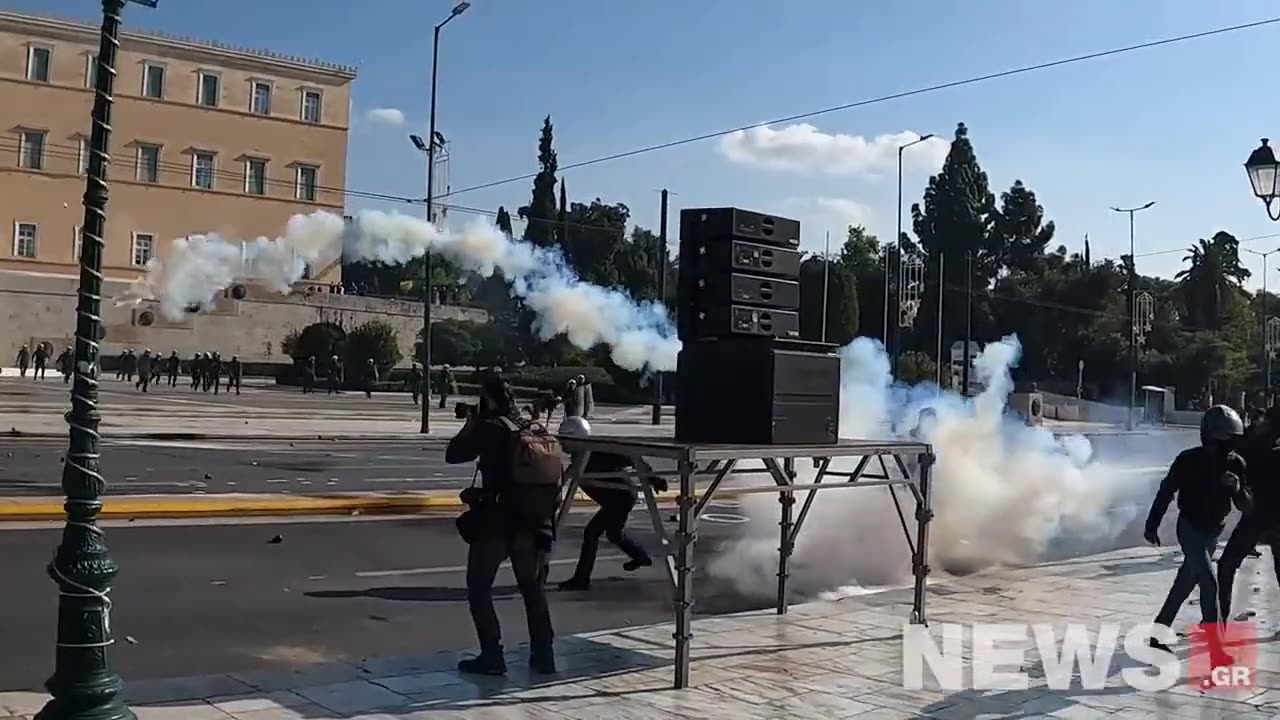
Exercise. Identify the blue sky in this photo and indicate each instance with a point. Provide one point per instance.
(1172, 124)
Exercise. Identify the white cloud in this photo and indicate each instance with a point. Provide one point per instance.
(390, 117)
(817, 215)
(804, 148)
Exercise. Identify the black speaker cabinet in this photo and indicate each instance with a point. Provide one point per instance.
(725, 223)
(756, 391)
(742, 289)
(729, 320)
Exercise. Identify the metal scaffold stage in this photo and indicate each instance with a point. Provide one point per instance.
(712, 463)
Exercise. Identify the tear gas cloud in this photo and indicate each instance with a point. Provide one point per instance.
(1003, 492)
(198, 268)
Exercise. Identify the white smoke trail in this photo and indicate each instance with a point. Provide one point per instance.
(198, 268)
(1003, 492)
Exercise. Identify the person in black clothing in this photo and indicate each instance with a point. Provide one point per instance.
(66, 363)
(414, 381)
(1262, 457)
(172, 365)
(197, 370)
(309, 375)
(213, 372)
(1207, 480)
(615, 504)
(41, 358)
(234, 371)
(505, 531)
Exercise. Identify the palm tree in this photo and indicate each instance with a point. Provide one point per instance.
(1215, 276)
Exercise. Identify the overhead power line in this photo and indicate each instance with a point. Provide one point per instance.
(881, 99)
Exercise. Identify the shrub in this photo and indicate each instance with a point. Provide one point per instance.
(452, 343)
(375, 339)
(290, 343)
(322, 340)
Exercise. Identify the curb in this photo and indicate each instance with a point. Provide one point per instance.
(107, 435)
(115, 507)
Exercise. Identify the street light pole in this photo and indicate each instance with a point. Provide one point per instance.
(430, 201)
(897, 243)
(1266, 351)
(1133, 315)
(656, 415)
(83, 685)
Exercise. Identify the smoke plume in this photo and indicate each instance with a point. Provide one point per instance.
(199, 267)
(1003, 492)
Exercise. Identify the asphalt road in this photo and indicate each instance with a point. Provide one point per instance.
(33, 467)
(196, 599)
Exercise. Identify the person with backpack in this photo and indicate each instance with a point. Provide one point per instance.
(616, 503)
(512, 516)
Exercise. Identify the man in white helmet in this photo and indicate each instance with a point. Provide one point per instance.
(616, 503)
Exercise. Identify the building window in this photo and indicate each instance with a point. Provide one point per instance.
(91, 71)
(261, 102)
(31, 149)
(148, 163)
(153, 82)
(202, 170)
(255, 176)
(82, 155)
(306, 183)
(210, 89)
(38, 61)
(76, 243)
(311, 106)
(24, 240)
(143, 245)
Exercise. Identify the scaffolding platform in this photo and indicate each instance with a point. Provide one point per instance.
(715, 462)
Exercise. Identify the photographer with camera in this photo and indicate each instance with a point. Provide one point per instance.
(511, 515)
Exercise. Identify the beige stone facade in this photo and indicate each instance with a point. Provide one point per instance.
(37, 308)
(205, 139)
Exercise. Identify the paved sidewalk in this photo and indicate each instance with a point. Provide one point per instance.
(31, 409)
(824, 660)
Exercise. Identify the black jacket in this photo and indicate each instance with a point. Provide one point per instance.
(1263, 460)
(486, 440)
(1204, 500)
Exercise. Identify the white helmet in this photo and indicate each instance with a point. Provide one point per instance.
(574, 426)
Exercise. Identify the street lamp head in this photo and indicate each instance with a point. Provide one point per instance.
(925, 137)
(418, 142)
(148, 3)
(1144, 207)
(460, 8)
(1264, 172)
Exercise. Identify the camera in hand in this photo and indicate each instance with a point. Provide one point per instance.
(462, 410)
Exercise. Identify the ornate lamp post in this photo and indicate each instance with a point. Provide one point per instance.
(1264, 176)
(83, 686)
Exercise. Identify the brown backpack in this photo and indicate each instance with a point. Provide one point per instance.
(533, 453)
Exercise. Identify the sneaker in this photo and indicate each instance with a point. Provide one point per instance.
(492, 665)
(575, 584)
(635, 564)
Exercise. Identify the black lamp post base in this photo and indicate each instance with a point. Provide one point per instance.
(64, 709)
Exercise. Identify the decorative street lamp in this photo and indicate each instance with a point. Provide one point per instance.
(83, 686)
(1133, 318)
(1264, 176)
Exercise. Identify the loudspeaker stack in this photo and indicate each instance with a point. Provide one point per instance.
(744, 376)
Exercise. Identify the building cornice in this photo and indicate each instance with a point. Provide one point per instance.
(45, 24)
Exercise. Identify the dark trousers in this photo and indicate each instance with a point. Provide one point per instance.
(335, 386)
(144, 381)
(1249, 531)
(484, 556)
(611, 521)
(195, 381)
(40, 367)
(173, 378)
(1197, 570)
(444, 398)
(233, 382)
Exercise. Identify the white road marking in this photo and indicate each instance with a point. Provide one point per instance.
(724, 518)
(463, 568)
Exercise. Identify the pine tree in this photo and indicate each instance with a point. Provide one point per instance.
(957, 220)
(541, 210)
(1017, 227)
(562, 217)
